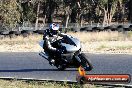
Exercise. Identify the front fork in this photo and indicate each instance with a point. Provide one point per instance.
(78, 59)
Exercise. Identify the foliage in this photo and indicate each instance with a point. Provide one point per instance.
(28, 13)
(10, 14)
(14, 12)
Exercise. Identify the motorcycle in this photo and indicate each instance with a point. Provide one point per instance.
(71, 56)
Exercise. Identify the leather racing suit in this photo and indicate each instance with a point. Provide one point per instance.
(49, 38)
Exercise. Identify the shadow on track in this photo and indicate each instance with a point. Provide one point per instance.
(31, 70)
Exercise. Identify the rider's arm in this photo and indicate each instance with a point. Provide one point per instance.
(45, 34)
(47, 41)
(62, 34)
(48, 44)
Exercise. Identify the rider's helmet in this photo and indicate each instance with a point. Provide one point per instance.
(54, 29)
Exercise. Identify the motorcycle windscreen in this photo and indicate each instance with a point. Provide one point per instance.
(72, 47)
(41, 43)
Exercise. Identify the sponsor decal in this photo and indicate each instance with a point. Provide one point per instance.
(82, 77)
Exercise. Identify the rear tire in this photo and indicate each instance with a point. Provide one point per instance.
(85, 63)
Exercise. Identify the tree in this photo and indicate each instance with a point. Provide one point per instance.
(130, 10)
(73, 11)
(10, 14)
(109, 8)
(28, 13)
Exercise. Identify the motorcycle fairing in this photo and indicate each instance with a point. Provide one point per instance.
(72, 48)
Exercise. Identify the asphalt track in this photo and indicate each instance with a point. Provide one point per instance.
(31, 65)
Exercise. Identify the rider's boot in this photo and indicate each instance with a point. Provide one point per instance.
(52, 62)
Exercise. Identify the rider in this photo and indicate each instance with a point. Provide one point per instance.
(51, 35)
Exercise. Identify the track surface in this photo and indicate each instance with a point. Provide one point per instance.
(31, 65)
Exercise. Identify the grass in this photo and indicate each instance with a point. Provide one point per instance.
(20, 44)
(34, 84)
(130, 34)
(101, 36)
(94, 42)
(101, 47)
(113, 48)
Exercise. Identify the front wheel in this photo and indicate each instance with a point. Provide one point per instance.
(85, 63)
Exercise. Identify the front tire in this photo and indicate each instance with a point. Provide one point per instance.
(85, 63)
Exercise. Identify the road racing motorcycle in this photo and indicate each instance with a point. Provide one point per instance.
(71, 57)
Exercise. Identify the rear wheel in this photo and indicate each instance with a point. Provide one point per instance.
(85, 63)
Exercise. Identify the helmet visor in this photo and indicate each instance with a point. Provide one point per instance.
(55, 27)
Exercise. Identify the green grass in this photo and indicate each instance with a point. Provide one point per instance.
(34, 84)
(102, 47)
(130, 34)
(124, 47)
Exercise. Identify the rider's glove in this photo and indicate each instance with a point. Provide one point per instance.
(60, 51)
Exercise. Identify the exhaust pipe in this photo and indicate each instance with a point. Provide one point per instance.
(42, 54)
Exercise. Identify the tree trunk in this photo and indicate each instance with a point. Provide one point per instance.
(50, 9)
(81, 20)
(110, 16)
(44, 20)
(105, 18)
(130, 11)
(110, 19)
(50, 18)
(67, 20)
(78, 4)
(73, 16)
(66, 16)
(36, 24)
